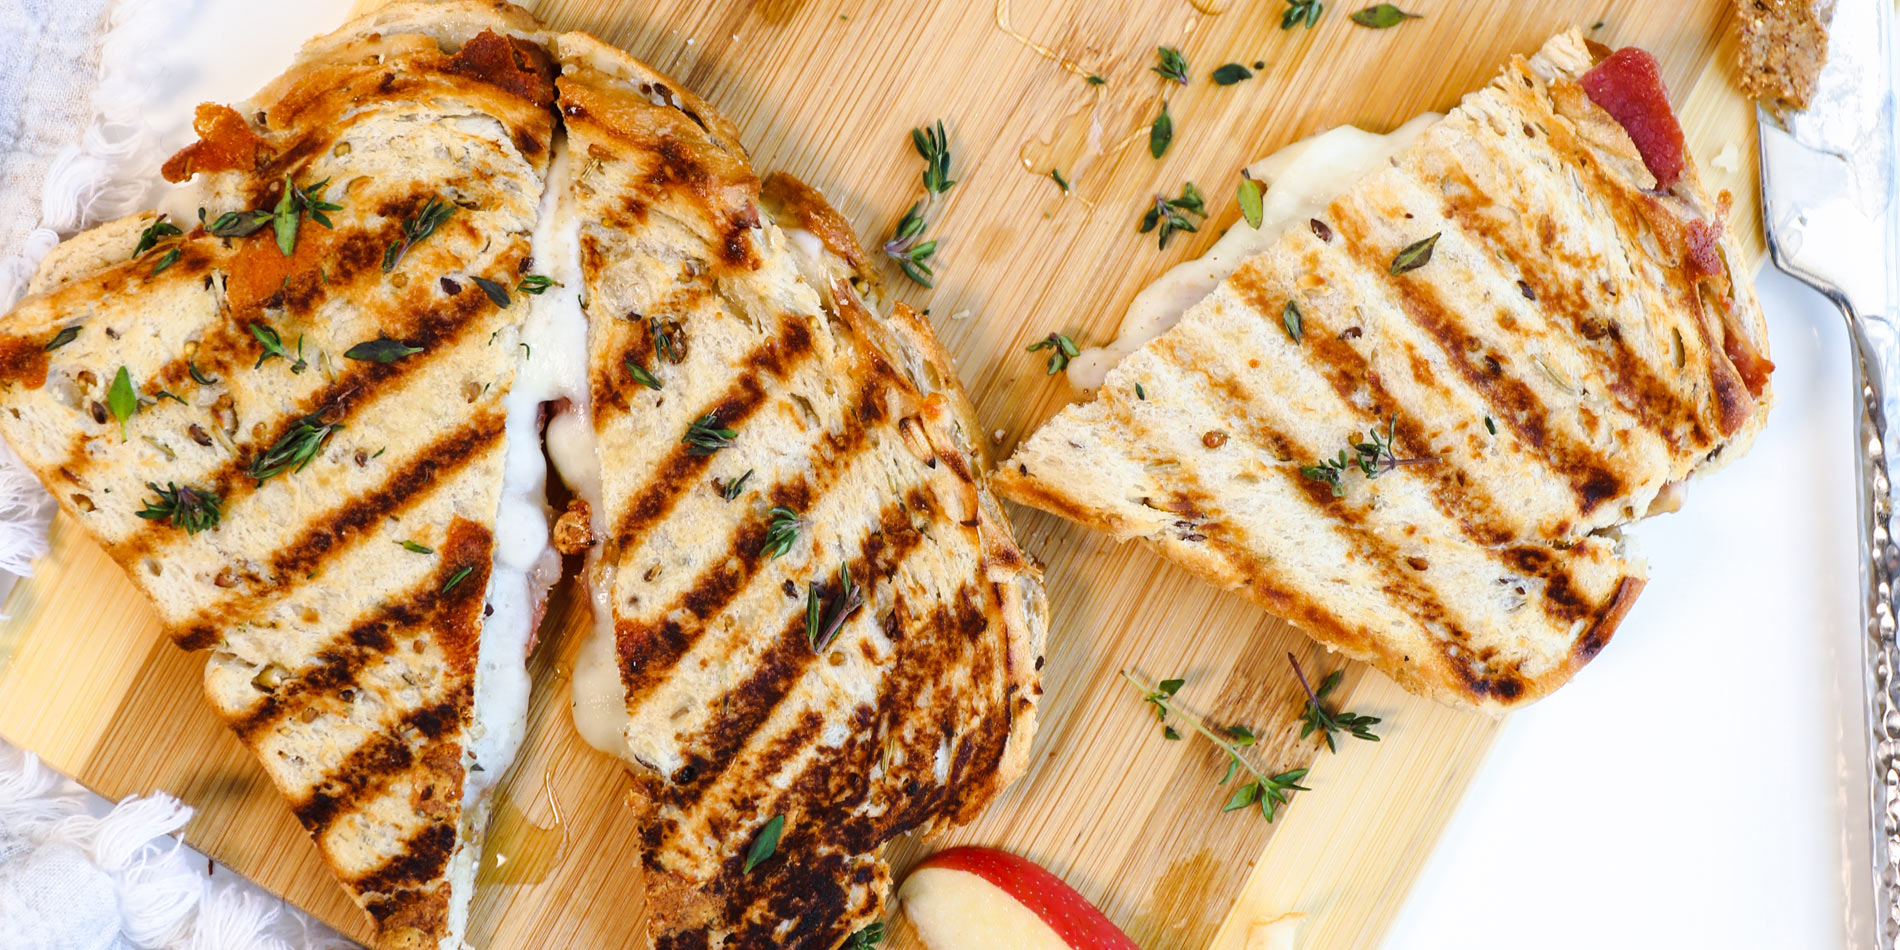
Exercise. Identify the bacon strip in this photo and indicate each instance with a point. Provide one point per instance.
(1628, 85)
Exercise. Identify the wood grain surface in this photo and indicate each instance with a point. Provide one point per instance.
(829, 91)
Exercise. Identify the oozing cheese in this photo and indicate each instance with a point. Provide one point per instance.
(525, 566)
(1301, 180)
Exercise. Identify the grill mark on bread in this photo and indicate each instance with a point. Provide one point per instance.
(400, 618)
(353, 521)
(422, 858)
(1651, 400)
(1461, 501)
(1513, 402)
(356, 386)
(746, 709)
(680, 471)
(649, 651)
(366, 772)
(1347, 519)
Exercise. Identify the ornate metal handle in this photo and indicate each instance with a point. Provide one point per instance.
(1878, 350)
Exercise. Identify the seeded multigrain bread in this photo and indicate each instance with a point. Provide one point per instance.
(1784, 46)
(744, 372)
(1574, 347)
(329, 531)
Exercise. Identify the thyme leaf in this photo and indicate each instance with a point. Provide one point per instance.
(272, 343)
(187, 508)
(1415, 255)
(155, 232)
(495, 291)
(1249, 195)
(1061, 351)
(122, 399)
(536, 284)
(765, 843)
(1231, 73)
(705, 436)
(1170, 64)
(1301, 10)
(1267, 792)
(641, 376)
(380, 350)
(1383, 16)
(63, 337)
(1161, 133)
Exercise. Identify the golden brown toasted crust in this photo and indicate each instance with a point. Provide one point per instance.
(854, 422)
(1574, 344)
(1782, 51)
(344, 661)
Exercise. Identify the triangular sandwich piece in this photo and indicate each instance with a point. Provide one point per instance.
(1413, 419)
(295, 426)
(815, 630)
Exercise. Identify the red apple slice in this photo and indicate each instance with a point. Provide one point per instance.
(982, 899)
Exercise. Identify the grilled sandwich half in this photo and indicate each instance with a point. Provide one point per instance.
(303, 424)
(1414, 419)
(815, 631)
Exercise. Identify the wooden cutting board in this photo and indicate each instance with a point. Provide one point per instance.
(829, 91)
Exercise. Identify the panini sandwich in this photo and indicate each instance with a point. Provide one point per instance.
(295, 423)
(1413, 417)
(815, 631)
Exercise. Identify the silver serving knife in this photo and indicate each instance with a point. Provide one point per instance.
(1828, 187)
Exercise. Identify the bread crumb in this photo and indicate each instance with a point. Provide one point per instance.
(1728, 160)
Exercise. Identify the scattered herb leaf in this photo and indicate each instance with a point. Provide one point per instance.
(1293, 321)
(1298, 10)
(1490, 426)
(765, 844)
(1055, 174)
(705, 436)
(122, 399)
(1171, 214)
(240, 223)
(165, 260)
(155, 232)
(380, 350)
(731, 487)
(782, 532)
(192, 509)
(1318, 719)
(1061, 351)
(1383, 16)
(1141, 393)
(1415, 255)
(1268, 792)
(295, 203)
(495, 291)
(426, 220)
(457, 578)
(294, 449)
(1170, 64)
(536, 284)
(61, 338)
(822, 625)
(197, 375)
(1095, 80)
(272, 343)
(640, 375)
(1231, 73)
(1161, 133)
(418, 548)
(1249, 194)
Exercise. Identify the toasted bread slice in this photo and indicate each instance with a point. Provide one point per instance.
(762, 448)
(321, 515)
(1574, 346)
(1783, 48)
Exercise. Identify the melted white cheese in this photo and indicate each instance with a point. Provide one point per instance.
(598, 697)
(1301, 180)
(525, 563)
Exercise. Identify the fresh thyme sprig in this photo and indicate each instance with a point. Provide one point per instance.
(705, 436)
(782, 533)
(188, 508)
(731, 487)
(1170, 64)
(668, 339)
(823, 621)
(432, 214)
(1172, 214)
(294, 450)
(907, 245)
(155, 232)
(866, 939)
(272, 343)
(1298, 10)
(1373, 458)
(295, 203)
(1318, 719)
(536, 284)
(1061, 351)
(1269, 792)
